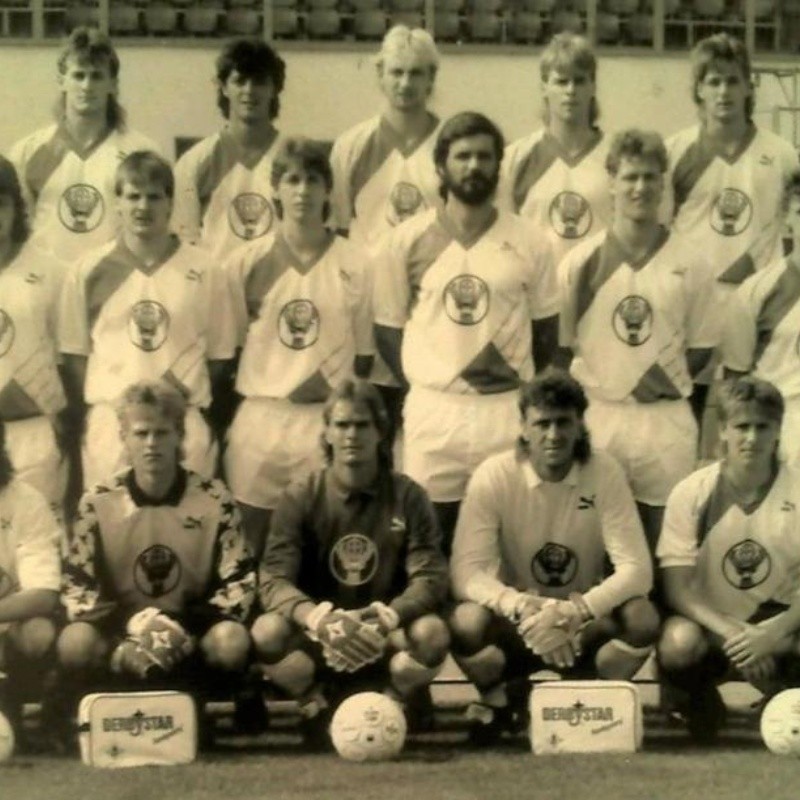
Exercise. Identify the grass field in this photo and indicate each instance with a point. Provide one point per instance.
(435, 766)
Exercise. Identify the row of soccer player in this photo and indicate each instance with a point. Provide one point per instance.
(550, 569)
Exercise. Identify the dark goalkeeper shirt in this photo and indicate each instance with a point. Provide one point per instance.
(328, 542)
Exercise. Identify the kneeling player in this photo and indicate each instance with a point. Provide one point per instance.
(156, 565)
(29, 581)
(536, 530)
(730, 554)
(353, 571)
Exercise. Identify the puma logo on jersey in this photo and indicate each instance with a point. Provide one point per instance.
(766, 161)
(788, 505)
(33, 277)
(192, 523)
(586, 502)
(194, 275)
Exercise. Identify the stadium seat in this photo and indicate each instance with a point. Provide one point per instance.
(567, 20)
(485, 27)
(243, 21)
(608, 27)
(322, 4)
(285, 22)
(283, 3)
(78, 14)
(622, 8)
(203, 19)
(241, 3)
(411, 18)
(764, 9)
(487, 6)
(526, 26)
(448, 5)
(123, 19)
(161, 19)
(708, 9)
(369, 24)
(539, 6)
(641, 27)
(447, 25)
(407, 5)
(323, 23)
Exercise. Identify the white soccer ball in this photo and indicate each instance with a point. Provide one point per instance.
(368, 727)
(6, 739)
(780, 723)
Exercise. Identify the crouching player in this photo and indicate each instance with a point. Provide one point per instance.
(158, 580)
(352, 573)
(29, 582)
(537, 529)
(730, 554)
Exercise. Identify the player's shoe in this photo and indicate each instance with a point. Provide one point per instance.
(250, 714)
(705, 714)
(315, 722)
(487, 724)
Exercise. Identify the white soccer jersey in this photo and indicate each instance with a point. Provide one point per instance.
(29, 293)
(743, 557)
(465, 306)
(630, 324)
(730, 206)
(70, 192)
(29, 541)
(565, 196)
(301, 325)
(135, 322)
(223, 196)
(378, 183)
(517, 530)
(762, 328)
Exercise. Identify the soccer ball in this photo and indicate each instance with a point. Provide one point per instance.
(6, 738)
(780, 723)
(368, 727)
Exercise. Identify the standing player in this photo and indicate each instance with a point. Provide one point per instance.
(304, 306)
(730, 556)
(156, 564)
(30, 576)
(144, 306)
(535, 530)
(222, 185)
(31, 394)
(762, 324)
(67, 169)
(465, 303)
(634, 305)
(353, 572)
(556, 177)
(727, 176)
(383, 170)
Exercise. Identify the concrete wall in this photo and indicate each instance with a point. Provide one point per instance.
(168, 90)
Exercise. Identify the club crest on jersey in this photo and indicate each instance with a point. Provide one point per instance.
(404, 201)
(731, 212)
(354, 560)
(148, 325)
(250, 215)
(298, 324)
(466, 299)
(633, 320)
(570, 215)
(746, 564)
(554, 565)
(81, 208)
(7, 332)
(157, 571)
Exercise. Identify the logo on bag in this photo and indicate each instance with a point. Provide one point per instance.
(354, 560)
(554, 565)
(138, 723)
(157, 571)
(577, 714)
(746, 564)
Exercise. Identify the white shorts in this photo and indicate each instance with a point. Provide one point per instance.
(271, 443)
(656, 443)
(36, 457)
(448, 435)
(103, 453)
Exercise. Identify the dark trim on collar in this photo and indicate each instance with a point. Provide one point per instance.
(172, 498)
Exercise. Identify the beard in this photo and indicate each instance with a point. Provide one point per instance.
(474, 190)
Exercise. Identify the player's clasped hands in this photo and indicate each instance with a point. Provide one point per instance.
(348, 642)
(553, 633)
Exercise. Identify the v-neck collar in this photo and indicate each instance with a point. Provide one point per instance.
(749, 508)
(466, 241)
(128, 256)
(289, 256)
(82, 152)
(620, 253)
(247, 157)
(403, 146)
(573, 160)
(745, 142)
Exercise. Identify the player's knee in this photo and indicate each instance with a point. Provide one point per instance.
(682, 644)
(80, 646)
(35, 637)
(294, 674)
(226, 645)
(469, 623)
(641, 623)
(428, 640)
(271, 634)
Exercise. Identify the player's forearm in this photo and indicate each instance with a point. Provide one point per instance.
(684, 600)
(425, 592)
(629, 580)
(389, 342)
(27, 604)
